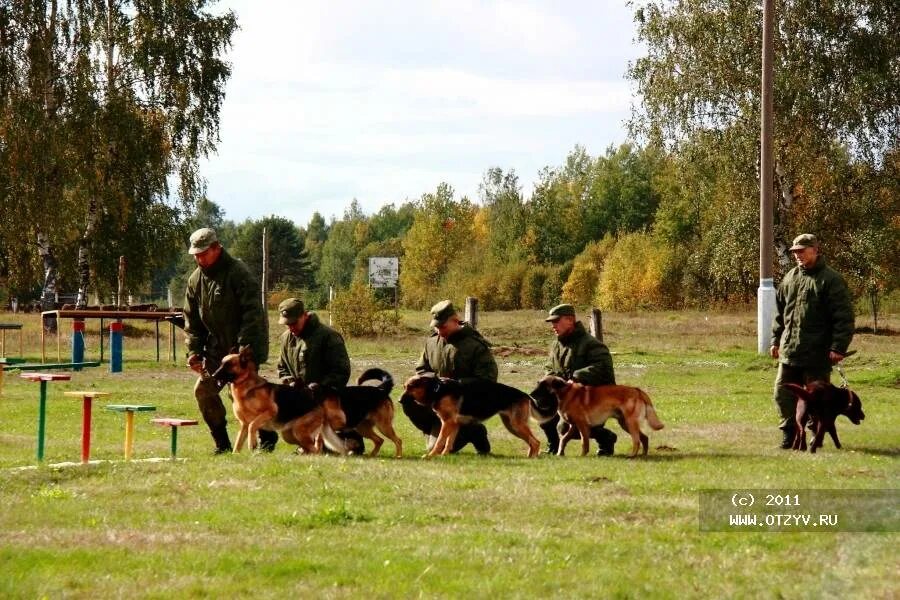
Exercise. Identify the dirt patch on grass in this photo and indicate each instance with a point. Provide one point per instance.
(505, 351)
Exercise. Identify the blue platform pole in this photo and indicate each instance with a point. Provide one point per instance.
(115, 346)
(77, 342)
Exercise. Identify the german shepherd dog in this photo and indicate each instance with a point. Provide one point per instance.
(820, 403)
(457, 403)
(300, 413)
(583, 406)
(368, 406)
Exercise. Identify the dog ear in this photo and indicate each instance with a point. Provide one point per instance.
(557, 383)
(798, 390)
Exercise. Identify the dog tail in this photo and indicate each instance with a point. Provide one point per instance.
(650, 412)
(386, 381)
(333, 440)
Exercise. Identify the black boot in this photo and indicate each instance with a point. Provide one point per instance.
(787, 437)
(479, 438)
(353, 442)
(267, 440)
(549, 429)
(220, 437)
(606, 439)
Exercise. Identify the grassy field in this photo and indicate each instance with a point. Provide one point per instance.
(282, 525)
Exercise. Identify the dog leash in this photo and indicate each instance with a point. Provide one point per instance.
(840, 369)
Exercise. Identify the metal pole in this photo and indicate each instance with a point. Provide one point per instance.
(765, 300)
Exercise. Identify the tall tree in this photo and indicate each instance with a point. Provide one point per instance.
(117, 98)
(289, 266)
(836, 73)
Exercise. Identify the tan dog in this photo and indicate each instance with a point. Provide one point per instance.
(457, 403)
(584, 406)
(294, 410)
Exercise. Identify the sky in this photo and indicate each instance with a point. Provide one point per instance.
(383, 100)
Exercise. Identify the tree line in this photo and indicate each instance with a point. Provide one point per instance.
(667, 219)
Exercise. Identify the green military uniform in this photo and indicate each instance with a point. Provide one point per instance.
(222, 310)
(317, 355)
(580, 357)
(464, 355)
(814, 316)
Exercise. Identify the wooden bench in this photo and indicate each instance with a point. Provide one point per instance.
(4, 327)
(174, 424)
(129, 410)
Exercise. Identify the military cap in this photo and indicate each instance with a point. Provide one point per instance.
(562, 310)
(441, 311)
(290, 310)
(202, 239)
(805, 240)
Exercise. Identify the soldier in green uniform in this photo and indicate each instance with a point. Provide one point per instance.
(578, 356)
(313, 352)
(455, 350)
(812, 328)
(222, 310)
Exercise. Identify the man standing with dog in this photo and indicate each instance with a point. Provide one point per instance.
(578, 356)
(222, 310)
(812, 328)
(455, 350)
(313, 352)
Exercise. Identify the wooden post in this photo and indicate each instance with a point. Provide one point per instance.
(264, 284)
(121, 290)
(597, 324)
(471, 316)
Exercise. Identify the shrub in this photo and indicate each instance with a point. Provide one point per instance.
(582, 283)
(553, 284)
(357, 312)
(638, 273)
(532, 293)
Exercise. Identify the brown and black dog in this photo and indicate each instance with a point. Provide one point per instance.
(583, 406)
(300, 413)
(368, 406)
(820, 403)
(456, 403)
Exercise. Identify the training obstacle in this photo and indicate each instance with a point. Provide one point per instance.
(174, 424)
(129, 410)
(4, 327)
(43, 378)
(87, 399)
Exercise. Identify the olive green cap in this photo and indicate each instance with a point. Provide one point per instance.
(805, 240)
(441, 311)
(562, 310)
(202, 239)
(290, 310)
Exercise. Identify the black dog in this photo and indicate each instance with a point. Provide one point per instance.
(544, 410)
(820, 403)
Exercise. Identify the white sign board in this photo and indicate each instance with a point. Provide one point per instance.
(384, 271)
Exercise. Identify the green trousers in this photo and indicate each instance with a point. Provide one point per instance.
(784, 399)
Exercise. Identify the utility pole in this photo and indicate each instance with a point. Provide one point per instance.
(264, 286)
(765, 299)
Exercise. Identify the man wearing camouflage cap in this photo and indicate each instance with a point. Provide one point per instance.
(812, 328)
(222, 310)
(313, 352)
(578, 356)
(456, 350)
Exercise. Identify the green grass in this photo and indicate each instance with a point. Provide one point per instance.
(462, 526)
